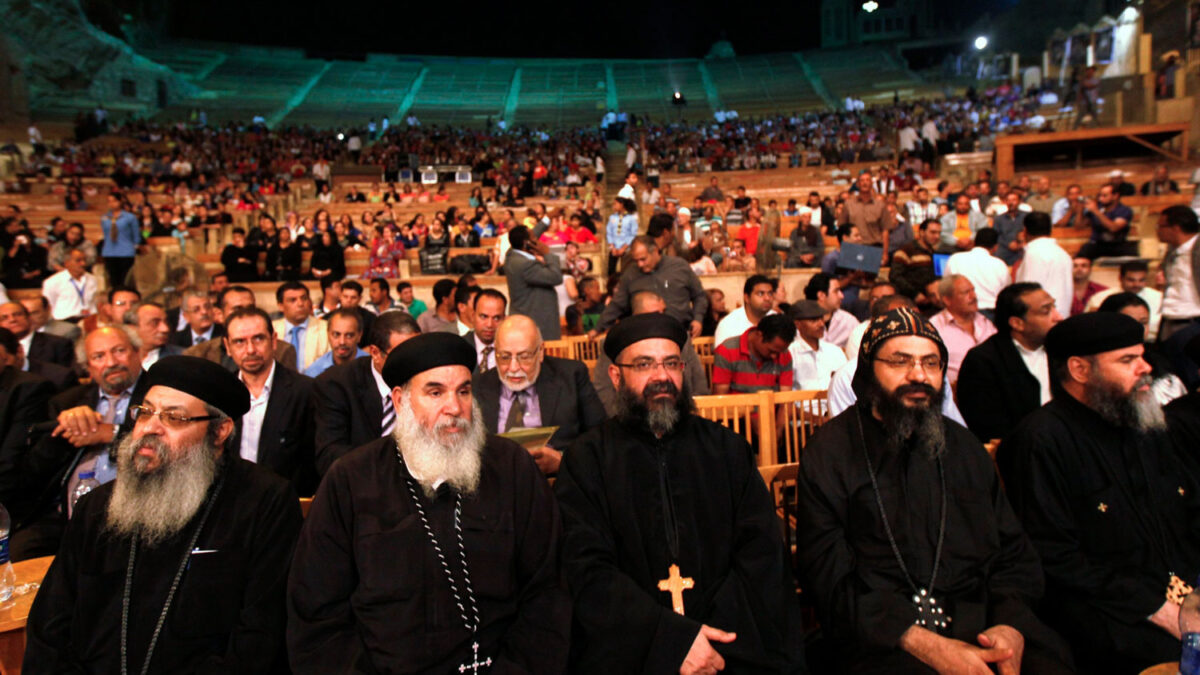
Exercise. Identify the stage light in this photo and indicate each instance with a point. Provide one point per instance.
(341, 137)
(870, 6)
(981, 43)
(678, 96)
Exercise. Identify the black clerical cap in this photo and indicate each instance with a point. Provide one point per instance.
(1093, 333)
(206, 380)
(897, 322)
(426, 352)
(806, 309)
(643, 327)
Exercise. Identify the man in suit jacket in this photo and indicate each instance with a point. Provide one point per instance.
(277, 431)
(48, 474)
(214, 350)
(23, 398)
(40, 346)
(489, 306)
(1008, 376)
(149, 321)
(202, 325)
(298, 327)
(529, 389)
(532, 272)
(353, 403)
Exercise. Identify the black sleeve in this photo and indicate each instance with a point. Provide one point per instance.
(333, 414)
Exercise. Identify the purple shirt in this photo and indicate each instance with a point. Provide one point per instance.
(958, 341)
(533, 411)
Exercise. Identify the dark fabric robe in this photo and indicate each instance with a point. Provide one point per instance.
(228, 614)
(368, 595)
(616, 550)
(1095, 499)
(988, 574)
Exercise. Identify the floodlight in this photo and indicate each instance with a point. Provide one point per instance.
(981, 43)
(870, 6)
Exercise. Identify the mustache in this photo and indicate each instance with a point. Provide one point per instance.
(662, 387)
(113, 370)
(916, 388)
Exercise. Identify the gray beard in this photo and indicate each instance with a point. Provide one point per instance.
(156, 506)
(1139, 411)
(457, 462)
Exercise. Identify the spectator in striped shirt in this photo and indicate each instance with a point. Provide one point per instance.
(755, 360)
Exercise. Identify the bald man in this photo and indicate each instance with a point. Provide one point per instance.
(528, 389)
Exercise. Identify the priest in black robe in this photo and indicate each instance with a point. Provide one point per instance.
(658, 493)
(1106, 498)
(434, 548)
(906, 542)
(189, 537)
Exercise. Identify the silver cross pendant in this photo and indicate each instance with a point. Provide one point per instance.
(929, 614)
(475, 664)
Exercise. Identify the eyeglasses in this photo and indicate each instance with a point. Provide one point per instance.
(906, 362)
(672, 364)
(523, 358)
(169, 419)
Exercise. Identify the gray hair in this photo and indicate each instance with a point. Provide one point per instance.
(946, 285)
(81, 342)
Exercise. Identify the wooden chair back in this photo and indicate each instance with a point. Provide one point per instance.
(802, 412)
(782, 482)
(584, 348)
(747, 415)
(707, 362)
(557, 348)
(703, 346)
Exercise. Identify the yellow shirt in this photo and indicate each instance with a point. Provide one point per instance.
(962, 227)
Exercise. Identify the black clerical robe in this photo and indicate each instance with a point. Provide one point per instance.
(228, 614)
(616, 549)
(367, 593)
(988, 573)
(1112, 514)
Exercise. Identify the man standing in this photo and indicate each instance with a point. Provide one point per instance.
(352, 400)
(149, 320)
(1009, 226)
(72, 292)
(1085, 288)
(638, 495)
(197, 310)
(960, 225)
(758, 295)
(443, 318)
(987, 273)
(814, 361)
(667, 276)
(277, 430)
(1106, 499)
(1046, 263)
(345, 334)
(1007, 376)
(298, 326)
(490, 308)
(869, 214)
(961, 325)
(532, 273)
(121, 239)
(529, 389)
(1110, 222)
(1178, 228)
(914, 261)
(434, 548)
(905, 537)
(117, 597)
(838, 322)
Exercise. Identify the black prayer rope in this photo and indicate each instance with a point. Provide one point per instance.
(162, 616)
(928, 613)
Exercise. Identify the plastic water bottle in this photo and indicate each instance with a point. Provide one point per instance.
(87, 483)
(8, 578)
(1189, 629)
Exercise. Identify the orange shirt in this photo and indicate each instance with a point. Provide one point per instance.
(962, 227)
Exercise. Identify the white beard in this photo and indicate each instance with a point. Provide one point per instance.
(456, 461)
(156, 506)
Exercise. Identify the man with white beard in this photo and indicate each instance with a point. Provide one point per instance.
(180, 564)
(434, 548)
(1106, 498)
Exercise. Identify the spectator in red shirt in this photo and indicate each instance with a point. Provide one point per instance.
(748, 232)
(756, 360)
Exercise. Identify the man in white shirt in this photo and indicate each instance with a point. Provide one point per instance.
(298, 326)
(490, 309)
(1046, 263)
(1133, 276)
(627, 190)
(814, 360)
(1178, 228)
(758, 296)
(72, 292)
(987, 273)
(824, 289)
(908, 138)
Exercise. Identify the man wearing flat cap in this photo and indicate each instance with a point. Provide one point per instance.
(1106, 499)
(180, 564)
(433, 549)
(672, 548)
(906, 542)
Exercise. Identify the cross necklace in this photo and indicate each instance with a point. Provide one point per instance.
(467, 608)
(674, 583)
(929, 614)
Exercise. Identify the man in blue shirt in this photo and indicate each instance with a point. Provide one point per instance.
(1110, 222)
(621, 229)
(345, 328)
(121, 239)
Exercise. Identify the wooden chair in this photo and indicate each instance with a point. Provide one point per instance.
(782, 482)
(803, 412)
(707, 362)
(703, 346)
(584, 348)
(750, 416)
(558, 348)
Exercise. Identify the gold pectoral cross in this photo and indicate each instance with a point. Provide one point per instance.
(676, 585)
(1177, 590)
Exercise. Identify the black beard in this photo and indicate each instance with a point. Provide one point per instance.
(921, 427)
(1135, 410)
(659, 418)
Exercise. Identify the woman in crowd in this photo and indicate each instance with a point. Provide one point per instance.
(328, 259)
(72, 240)
(345, 238)
(283, 257)
(476, 198)
(438, 237)
(440, 195)
(386, 252)
(325, 196)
